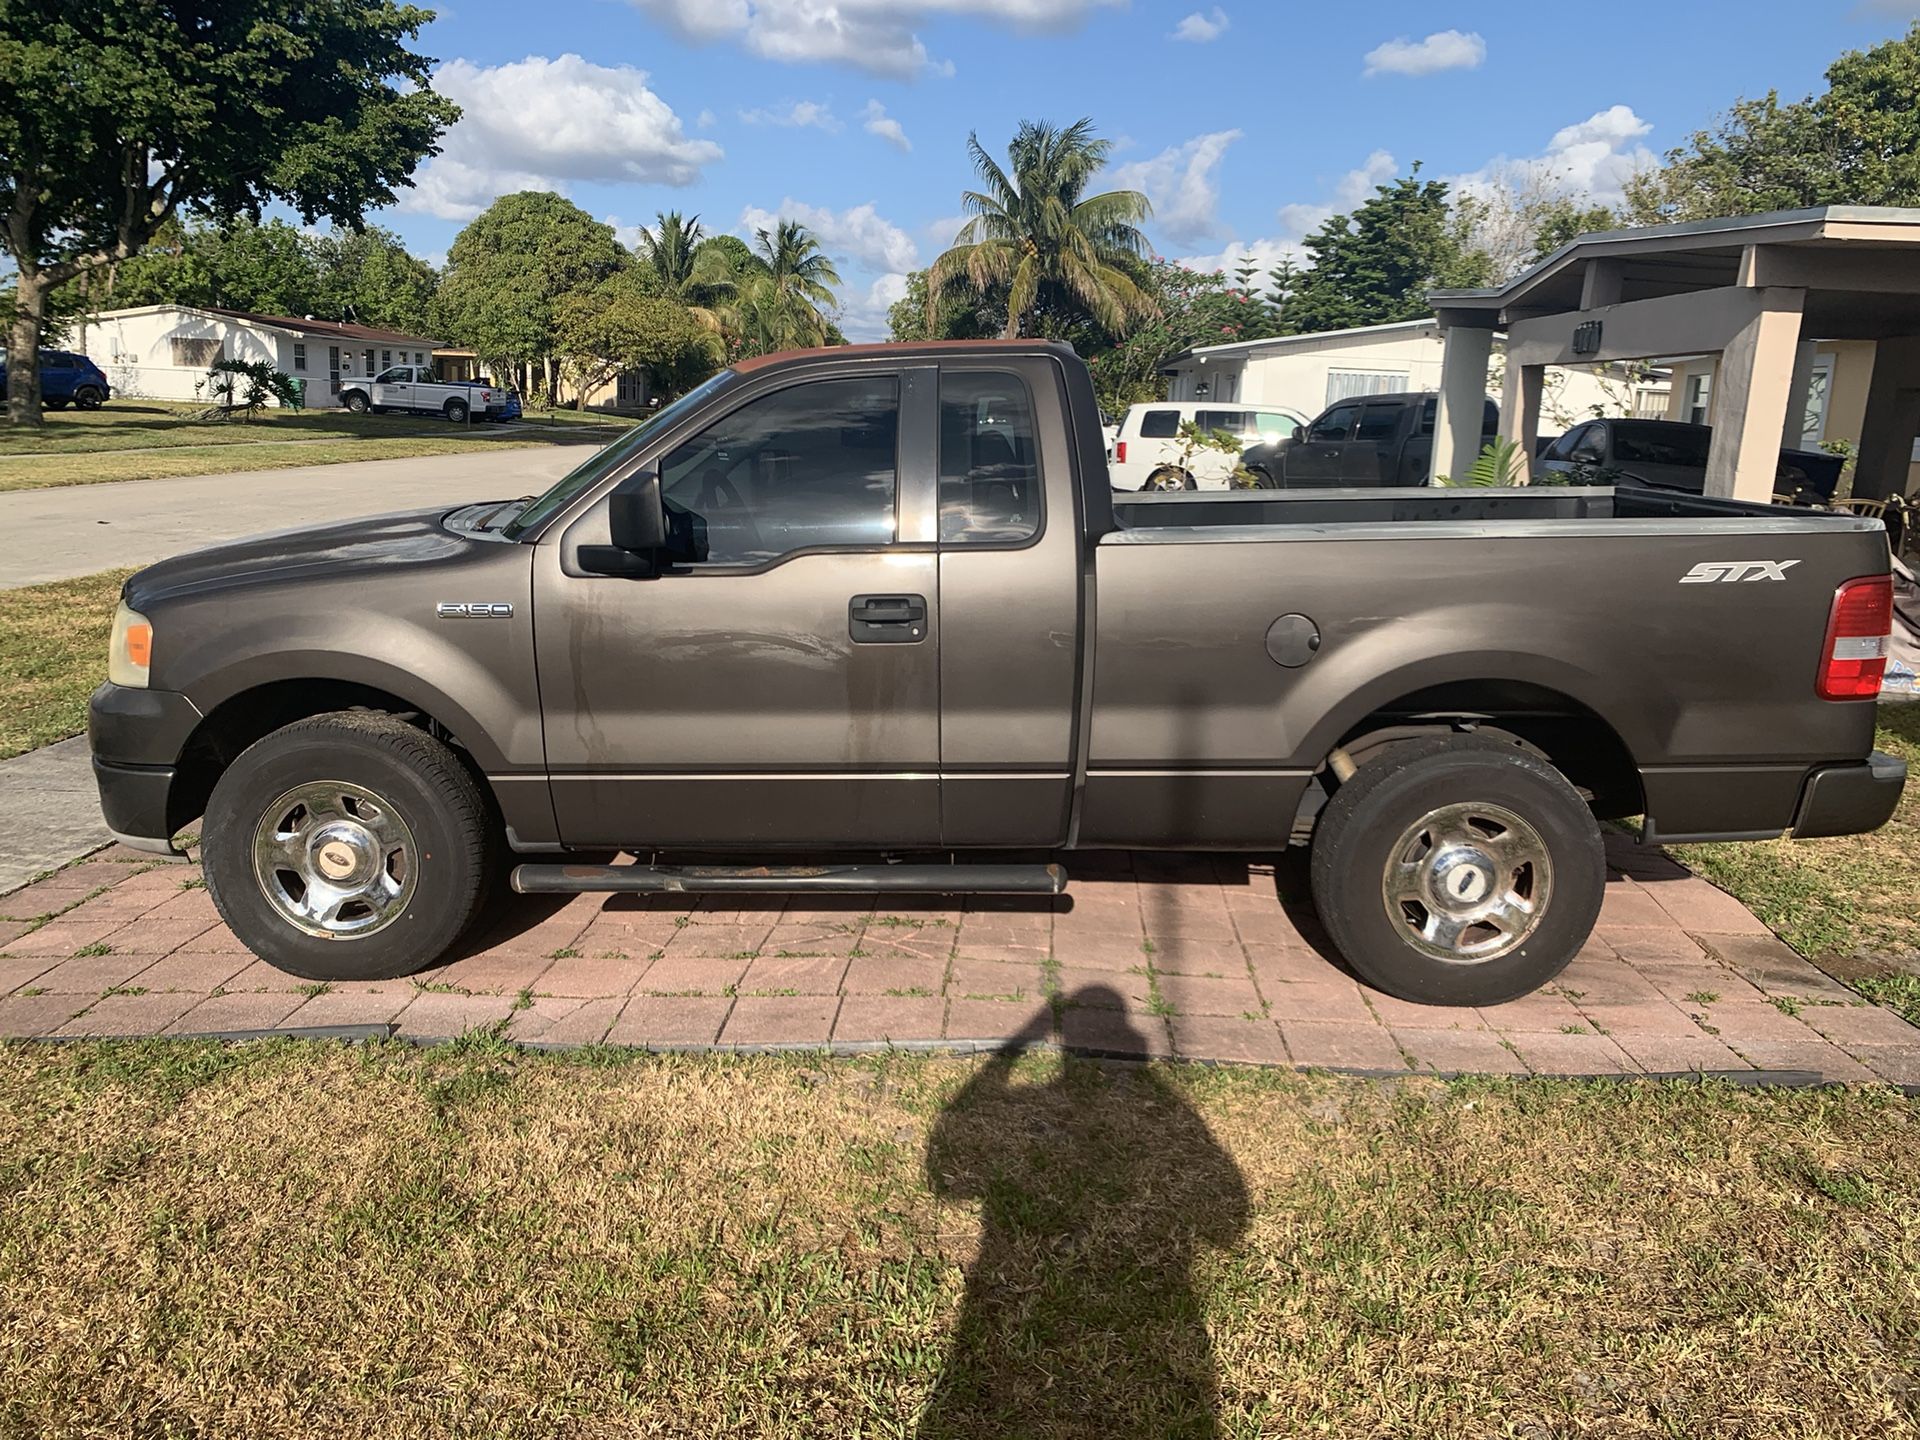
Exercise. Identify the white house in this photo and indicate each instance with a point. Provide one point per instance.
(161, 352)
(1307, 373)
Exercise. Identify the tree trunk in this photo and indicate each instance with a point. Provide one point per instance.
(23, 350)
(1012, 331)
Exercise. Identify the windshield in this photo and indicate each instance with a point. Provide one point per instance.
(602, 463)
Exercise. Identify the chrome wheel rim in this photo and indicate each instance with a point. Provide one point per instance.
(335, 860)
(1466, 884)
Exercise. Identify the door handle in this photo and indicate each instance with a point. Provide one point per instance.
(887, 619)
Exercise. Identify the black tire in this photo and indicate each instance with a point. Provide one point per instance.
(1168, 478)
(357, 402)
(454, 856)
(88, 397)
(1360, 831)
(456, 411)
(1263, 479)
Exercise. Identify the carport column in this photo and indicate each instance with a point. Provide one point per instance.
(1463, 399)
(1893, 418)
(1520, 414)
(1750, 397)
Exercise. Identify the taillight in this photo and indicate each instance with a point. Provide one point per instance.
(1119, 452)
(1853, 658)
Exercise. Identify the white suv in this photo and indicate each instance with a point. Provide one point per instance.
(1146, 452)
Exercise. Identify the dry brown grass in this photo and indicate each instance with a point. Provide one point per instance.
(300, 1241)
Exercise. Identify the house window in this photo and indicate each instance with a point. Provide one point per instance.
(386, 358)
(419, 357)
(368, 354)
(194, 354)
(1345, 384)
(1813, 424)
(333, 369)
(299, 356)
(1699, 397)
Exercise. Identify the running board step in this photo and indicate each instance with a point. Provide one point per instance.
(827, 879)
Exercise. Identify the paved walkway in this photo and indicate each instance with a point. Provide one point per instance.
(1199, 957)
(70, 530)
(49, 811)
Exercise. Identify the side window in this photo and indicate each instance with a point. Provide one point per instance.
(1272, 424)
(394, 375)
(814, 464)
(1429, 416)
(1234, 422)
(1378, 422)
(989, 476)
(1563, 448)
(1489, 419)
(1335, 424)
(1159, 424)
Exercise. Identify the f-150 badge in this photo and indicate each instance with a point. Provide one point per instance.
(475, 610)
(1730, 571)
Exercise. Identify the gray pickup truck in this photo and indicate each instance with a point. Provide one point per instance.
(871, 619)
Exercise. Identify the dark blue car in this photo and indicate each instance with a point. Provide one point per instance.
(66, 379)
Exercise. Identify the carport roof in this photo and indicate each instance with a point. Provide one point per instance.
(1860, 265)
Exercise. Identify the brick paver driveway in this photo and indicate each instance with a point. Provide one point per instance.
(1199, 957)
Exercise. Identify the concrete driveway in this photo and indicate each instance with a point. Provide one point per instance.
(80, 529)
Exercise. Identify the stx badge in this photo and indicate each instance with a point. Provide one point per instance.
(1730, 571)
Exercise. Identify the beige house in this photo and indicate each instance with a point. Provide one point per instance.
(1806, 321)
(1307, 373)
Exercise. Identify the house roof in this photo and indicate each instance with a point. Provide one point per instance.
(1279, 342)
(293, 324)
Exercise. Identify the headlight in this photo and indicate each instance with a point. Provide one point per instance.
(130, 652)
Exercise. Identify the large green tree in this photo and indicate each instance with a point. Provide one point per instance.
(625, 323)
(788, 291)
(371, 278)
(119, 113)
(1034, 227)
(511, 266)
(1375, 266)
(1856, 143)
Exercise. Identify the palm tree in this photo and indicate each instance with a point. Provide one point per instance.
(1033, 227)
(689, 269)
(790, 281)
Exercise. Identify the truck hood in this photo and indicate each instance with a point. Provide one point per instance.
(376, 545)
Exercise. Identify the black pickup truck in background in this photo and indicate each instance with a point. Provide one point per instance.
(1670, 455)
(1368, 440)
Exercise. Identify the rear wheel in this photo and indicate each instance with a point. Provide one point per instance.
(88, 397)
(1458, 871)
(1169, 477)
(349, 846)
(457, 411)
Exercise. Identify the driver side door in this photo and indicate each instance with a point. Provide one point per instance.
(393, 388)
(781, 691)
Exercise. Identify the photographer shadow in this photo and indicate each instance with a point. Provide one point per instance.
(1098, 1187)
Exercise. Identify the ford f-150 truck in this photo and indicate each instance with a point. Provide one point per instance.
(871, 618)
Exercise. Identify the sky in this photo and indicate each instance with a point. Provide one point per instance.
(1246, 123)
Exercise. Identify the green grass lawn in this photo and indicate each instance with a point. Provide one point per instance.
(296, 1239)
(145, 440)
(53, 652)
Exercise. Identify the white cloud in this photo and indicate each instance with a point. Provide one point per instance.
(1180, 182)
(705, 119)
(1594, 158)
(1443, 50)
(874, 35)
(863, 315)
(858, 235)
(536, 124)
(1200, 28)
(1266, 252)
(801, 115)
(878, 122)
(1354, 187)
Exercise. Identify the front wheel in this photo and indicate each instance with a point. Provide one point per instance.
(348, 846)
(1168, 478)
(1458, 871)
(457, 411)
(358, 403)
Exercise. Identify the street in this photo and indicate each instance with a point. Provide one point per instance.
(80, 529)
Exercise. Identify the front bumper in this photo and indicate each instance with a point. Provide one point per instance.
(1850, 799)
(137, 737)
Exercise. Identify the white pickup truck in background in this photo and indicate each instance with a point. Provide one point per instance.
(413, 387)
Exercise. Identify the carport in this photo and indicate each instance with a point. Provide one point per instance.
(1758, 290)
